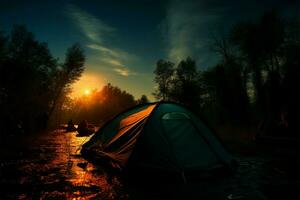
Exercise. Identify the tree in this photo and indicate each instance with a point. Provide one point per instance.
(179, 84)
(32, 81)
(26, 66)
(245, 37)
(261, 46)
(101, 105)
(186, 87)
(143, 100)
(230, 78)
(163, 76)
(70, 72)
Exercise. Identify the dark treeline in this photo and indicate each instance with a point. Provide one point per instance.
(256, 81)
(35, 87)
(100, 106)
(254, 84)
(33, 82)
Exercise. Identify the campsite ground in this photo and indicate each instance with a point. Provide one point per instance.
(52, 168)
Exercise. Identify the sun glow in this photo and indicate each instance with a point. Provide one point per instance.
(86, 84)
(87, 92)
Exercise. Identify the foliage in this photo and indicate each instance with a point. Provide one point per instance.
(163, 77)
(31, 80)
(100, 106)
(256, 79)
(178, 84)
(69, 72)
(143, 100)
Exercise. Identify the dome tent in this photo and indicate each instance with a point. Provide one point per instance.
(162, 136)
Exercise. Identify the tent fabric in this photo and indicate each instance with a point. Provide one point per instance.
(118, 146)
(160, 136)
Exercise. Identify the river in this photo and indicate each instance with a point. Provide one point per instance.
(51, 167)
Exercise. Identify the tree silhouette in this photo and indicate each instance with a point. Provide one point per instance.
(179, 84)
(186, 87)
(245, 37)
(101, 105)
(163, 76)
(25, 78)
(70, 72)
(143, 100)
(258, 69)
(31, 80)
(261, 46)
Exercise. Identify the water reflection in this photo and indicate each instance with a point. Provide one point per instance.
(65, 174)
(52, 168)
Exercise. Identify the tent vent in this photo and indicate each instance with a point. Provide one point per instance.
(175, 115)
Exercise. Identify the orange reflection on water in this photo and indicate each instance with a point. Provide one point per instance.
(80, 179)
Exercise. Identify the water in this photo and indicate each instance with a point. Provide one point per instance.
(51, 167)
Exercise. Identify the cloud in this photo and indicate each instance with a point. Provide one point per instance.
(112, 52)
(103, 50)
(115, 62)
(91, 26)
(187, 28)
(122, 71)
(114, 58)
(98, 34)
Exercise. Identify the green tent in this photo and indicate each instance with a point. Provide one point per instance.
(163, 136)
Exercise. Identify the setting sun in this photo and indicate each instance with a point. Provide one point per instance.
(87, 92)
(86, 84)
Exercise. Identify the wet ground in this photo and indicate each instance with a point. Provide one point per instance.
(52, 168)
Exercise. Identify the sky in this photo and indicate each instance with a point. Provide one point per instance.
(123, 40)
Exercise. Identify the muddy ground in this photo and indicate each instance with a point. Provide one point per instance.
(50, 167)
